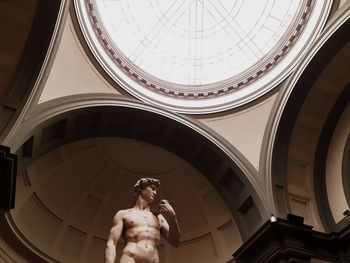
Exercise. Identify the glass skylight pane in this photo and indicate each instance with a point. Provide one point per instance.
(198, 42)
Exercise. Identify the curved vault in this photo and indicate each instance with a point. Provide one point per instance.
(198, 154)
(66, 200)
(310, 140)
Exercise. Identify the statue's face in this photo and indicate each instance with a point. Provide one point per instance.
(149, 193)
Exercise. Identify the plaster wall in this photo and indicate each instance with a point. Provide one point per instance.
(72, 71)
(244, 129)
(342, 2)
(335, 188)
(8, 254)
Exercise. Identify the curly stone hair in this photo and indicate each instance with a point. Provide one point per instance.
(143, 183)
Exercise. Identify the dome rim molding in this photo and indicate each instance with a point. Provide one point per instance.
(212, 104)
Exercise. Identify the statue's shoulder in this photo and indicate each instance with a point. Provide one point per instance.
(121, 213)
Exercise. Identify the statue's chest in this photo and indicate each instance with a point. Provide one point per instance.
(141, 218)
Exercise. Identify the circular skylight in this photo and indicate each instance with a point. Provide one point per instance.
(198, 55)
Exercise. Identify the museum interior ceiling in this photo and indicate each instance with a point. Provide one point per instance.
(240, 108)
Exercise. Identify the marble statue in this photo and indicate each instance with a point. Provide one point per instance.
(141, 226)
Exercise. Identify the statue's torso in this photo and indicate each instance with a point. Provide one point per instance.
(141, 233)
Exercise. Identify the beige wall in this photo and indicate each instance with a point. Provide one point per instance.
(244, 129)
(72, 71)
(334, 183)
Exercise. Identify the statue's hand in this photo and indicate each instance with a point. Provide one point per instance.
(165, 208)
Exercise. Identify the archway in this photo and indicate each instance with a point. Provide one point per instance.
(45, 135)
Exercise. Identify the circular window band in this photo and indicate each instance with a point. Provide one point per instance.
(207, 91)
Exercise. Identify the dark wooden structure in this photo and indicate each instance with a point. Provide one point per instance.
(8, 171)
(286, 241)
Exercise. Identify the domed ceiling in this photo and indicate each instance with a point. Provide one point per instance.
(67, 198)
(199, 56)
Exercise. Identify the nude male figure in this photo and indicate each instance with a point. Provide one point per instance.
(141, 228)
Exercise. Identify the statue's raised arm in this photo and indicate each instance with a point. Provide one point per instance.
(169, 226)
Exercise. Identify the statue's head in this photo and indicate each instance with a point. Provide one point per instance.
(142, 183)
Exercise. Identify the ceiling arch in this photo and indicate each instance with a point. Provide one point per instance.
(54, 125)
(307, 100)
